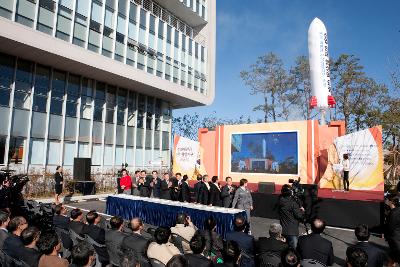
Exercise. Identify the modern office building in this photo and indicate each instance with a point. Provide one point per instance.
(99, 79)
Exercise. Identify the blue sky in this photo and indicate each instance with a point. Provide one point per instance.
(369, 29)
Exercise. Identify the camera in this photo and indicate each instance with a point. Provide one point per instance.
(297, 190)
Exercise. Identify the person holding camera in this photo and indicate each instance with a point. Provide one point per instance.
(290, 215)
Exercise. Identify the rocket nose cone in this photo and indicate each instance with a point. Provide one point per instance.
(316, 24)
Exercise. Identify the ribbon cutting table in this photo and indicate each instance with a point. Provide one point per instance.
(159, 212)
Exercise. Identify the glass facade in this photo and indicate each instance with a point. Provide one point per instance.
(50, 116)
(139, 33)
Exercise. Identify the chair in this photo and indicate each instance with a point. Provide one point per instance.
(96, 247)
(75, 237)
(65, 240)
(7, 260)
(178, 241)
(269, 259)
(311, 263)
(156, 263)
(246, 259)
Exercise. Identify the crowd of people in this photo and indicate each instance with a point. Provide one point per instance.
(77, 239)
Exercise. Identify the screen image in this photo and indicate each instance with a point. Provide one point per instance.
(272, 152)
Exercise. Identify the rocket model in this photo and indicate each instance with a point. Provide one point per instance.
(319, 68)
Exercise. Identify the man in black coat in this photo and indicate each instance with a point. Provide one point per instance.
(136, 242)
(203, 190)
(114, 238)
(376, 256)
(215, 193)
(4, 220)
(29, 253)
(184, 192)
(62, 222)
(59, 219)
(145, 189)
(227, 193)
(197, 245)
(392, 231)
(76, 224)
(274, 244)
(314, 246)
(290, 213)
(166, 185)
(245, 241)
(97, 234)
(196, 188)
(157, 184)
(13, 244)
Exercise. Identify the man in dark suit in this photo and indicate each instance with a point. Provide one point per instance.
(314, 246)
(227, 193)
(97, 234)
(157, 184)
(29, 253)
(245, 241)
(145, 189)
(392, 231)
(197, 259)
(136, 242)
(203, 191)
(376, 256)
(184, 192)
(166, 184)
(175, 182)
(215, 193)
(4, 220)
(356, 257)
(196, 188)
(13, 244)
(274, 244)
(76, 224)
(60, 221)
(114, 238)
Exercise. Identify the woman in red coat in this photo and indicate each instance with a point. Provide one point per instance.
(126, 182)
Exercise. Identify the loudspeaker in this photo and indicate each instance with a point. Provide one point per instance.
(82, 168)
(266, 187)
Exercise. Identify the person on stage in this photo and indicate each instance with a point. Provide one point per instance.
(59, 179)
(227, 193)
(203, 190)
(135, 184)
(126, 182)
(346, 169)
(184, 190)
(215, 193)
(243, 199)
(156, 184)
(166, 185)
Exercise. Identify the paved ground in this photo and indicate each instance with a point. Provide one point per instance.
(341, 238)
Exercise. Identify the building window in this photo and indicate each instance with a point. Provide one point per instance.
(99, 101)
(16, 150)
(6, 7)
(6, 78)
(2, 149)
(57, 93)
(23, 84)
(69, 154)
(46, 16)
(25, 12)
(121, 101)
(131, 109)
(96, 155)
(36, 153)
(86, 98)
(110, 104)
(53, 153)
(64, 23)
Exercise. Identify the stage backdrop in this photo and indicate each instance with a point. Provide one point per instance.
(264, 152)
(366, 161)
(187, 157)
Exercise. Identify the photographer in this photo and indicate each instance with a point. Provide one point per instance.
(290, 214)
